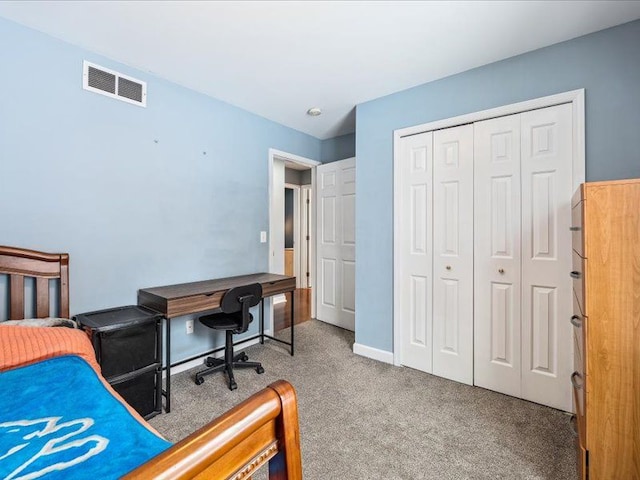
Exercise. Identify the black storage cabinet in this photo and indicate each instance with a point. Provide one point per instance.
(128, 346)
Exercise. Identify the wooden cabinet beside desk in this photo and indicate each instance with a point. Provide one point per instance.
(606, 319)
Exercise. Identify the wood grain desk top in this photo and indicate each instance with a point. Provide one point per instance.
(194, 297)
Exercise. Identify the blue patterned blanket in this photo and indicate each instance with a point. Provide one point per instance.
(58, 421)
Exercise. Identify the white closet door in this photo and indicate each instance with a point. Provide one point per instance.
(497, 255)
(546, 256)
(453, 253)
(336, 243)
(415, 244)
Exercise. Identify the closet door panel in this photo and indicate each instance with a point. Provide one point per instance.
(546, 255)
(453, 253)
(497, 273)
(416, 251)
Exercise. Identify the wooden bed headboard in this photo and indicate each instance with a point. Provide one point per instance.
(19, 263)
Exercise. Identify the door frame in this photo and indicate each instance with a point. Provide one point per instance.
(306, 247)
(574, 97)
(274, 155)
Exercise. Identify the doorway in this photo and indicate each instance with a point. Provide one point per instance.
(291, 220)
(297, 237)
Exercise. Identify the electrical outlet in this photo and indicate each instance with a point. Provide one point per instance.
(189, 327)
(263, 237)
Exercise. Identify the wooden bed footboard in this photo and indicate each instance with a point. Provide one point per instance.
(264, 428)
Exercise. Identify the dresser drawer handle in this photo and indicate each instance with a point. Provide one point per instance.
(575, 274)
(576, 385)
(574, 425)
(576, 321)
(575, 229)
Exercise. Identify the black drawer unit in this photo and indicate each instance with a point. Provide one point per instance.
(128, 346)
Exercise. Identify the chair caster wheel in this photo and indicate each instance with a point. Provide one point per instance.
(233, 386)
(199, 380)
(259, 370)
(209, 363)
(244, 358)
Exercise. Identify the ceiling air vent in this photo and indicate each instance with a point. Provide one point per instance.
(113, 84)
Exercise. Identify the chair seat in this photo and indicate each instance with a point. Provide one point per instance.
(223, 321)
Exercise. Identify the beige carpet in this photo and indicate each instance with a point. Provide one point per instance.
(362, 419)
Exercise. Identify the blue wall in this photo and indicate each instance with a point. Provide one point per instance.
(606, 64)
(129, 192)
(338, 148)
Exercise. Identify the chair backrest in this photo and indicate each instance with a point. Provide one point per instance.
(241, 299)
(235, 297)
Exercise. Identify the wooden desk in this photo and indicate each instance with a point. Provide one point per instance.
(195, 297)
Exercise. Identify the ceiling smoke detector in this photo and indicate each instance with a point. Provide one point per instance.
(314, 112)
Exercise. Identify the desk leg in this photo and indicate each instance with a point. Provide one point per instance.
(262, 321)
(167, 407)
(293, 294)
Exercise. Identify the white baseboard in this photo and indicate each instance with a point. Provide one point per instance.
(183, 367)
(280, 298)
(374, 353)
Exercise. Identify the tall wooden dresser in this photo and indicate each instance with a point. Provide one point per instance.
(606, 320)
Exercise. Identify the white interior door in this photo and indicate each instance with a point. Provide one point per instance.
(336, 243)
(497, 272)
(416, 251)
(453, 253)
(546, 255)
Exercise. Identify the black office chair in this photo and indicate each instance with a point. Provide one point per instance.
(234, 318)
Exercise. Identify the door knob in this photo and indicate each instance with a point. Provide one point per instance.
(576, 321)
(501, 271)
(448, 267)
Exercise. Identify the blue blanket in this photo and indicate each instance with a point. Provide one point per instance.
(58, 421)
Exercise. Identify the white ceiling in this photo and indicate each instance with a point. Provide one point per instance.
(277, 59)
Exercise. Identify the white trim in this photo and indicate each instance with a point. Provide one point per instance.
(397, 330)
(280, 155)
(312, 243)
(374, 353)
(280, 298)
(199, 362)
(306, 249)
(575, 97)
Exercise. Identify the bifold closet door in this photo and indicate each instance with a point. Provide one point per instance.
(415, 250)
(453, 253)
(497, 272)
(522, 190)
(546, 255)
